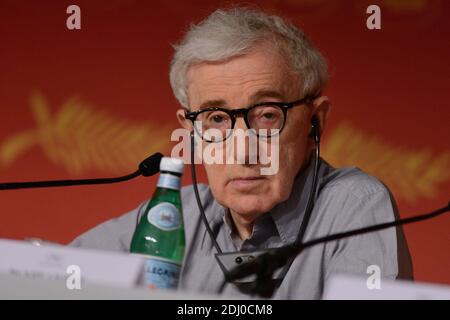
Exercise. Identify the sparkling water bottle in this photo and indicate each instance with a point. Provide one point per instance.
(160, 232)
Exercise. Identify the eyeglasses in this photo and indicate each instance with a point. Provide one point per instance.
(265, 119)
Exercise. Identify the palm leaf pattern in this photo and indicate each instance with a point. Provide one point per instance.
(411, 174)
(80, 138)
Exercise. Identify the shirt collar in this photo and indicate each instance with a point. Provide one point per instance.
(230, 229)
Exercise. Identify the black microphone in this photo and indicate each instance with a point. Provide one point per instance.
(266, 264)
(146, 168)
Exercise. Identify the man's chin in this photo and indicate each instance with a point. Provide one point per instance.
(250, 205)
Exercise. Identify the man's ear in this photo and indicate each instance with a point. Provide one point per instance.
(321, 109)
(185, 123)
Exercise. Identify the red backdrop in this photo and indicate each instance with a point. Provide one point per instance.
(93, 102)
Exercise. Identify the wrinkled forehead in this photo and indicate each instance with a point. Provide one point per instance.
(258, 75)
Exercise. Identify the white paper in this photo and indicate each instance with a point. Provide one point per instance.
(59, 263)
(345, 287)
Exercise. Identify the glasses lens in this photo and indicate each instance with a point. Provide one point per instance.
(213, 126)
(266, 119)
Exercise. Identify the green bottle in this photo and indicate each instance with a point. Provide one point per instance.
(160, 232)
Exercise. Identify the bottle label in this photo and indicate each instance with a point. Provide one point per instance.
(169, 181)
(165, 216)
(161, 274)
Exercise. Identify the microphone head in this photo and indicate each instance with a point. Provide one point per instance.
(150, 166)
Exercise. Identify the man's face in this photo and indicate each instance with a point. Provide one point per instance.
(259, 76)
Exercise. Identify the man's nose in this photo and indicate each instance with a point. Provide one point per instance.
(243, 150)
(240, 123)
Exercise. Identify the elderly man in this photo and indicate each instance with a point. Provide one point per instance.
(236, 59)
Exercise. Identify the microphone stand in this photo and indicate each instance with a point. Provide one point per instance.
(148, 167)
(265, 265)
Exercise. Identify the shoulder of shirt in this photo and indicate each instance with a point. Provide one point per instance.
(354, 181)
(352, 198)
(116, 233)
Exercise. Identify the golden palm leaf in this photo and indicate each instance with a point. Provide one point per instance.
(82, 139)
(411, 174)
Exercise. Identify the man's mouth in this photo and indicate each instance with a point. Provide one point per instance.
(245, 183)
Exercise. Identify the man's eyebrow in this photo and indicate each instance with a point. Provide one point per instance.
(212, 103)
(261, 94)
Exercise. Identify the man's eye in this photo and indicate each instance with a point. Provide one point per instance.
(268, 115)
(217, 119)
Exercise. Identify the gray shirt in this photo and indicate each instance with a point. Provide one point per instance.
(346, 199)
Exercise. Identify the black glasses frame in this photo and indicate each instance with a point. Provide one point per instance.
(233, 113)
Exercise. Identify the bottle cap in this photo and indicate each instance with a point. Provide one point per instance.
(171, 165)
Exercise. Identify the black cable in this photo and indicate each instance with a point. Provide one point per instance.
(276, 258)
(147, 168)
(312, 194)
(197, 197)
(377, 227)
(309, 206)
(65, 183)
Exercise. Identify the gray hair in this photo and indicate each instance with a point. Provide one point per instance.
(230, 32)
